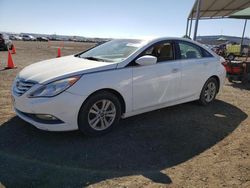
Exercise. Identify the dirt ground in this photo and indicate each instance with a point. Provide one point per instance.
(182, 146)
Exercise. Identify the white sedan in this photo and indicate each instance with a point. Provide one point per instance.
(92, 90)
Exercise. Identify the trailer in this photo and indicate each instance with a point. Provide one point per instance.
(238, 71)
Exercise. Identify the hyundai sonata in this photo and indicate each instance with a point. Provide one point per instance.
(92, 90)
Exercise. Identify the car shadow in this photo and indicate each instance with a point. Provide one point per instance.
(141, 145)
(240, 85)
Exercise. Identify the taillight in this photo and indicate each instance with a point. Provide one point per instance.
(225, 64)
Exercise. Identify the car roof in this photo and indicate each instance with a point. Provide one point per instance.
(152, 40)
(159, 39)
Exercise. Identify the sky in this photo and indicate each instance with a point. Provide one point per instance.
(109, 18)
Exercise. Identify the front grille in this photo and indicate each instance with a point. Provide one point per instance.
(22, 86)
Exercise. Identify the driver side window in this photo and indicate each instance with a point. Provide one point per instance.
(163, 51)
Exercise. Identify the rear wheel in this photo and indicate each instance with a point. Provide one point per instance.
(99, 114)
(209, 91)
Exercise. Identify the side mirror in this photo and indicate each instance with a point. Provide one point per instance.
(146, 60)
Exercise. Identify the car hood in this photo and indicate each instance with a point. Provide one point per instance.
(53, 69)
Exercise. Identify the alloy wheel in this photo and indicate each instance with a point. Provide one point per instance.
(102, 114)
(210, 92)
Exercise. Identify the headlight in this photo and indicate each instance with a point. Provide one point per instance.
(54, 88)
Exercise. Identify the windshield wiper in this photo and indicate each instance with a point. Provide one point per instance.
(94, 59)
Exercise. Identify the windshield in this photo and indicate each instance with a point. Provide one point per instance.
(114, 51)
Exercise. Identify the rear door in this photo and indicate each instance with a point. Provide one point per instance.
(195, 67)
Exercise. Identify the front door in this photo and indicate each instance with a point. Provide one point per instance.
(158, 83)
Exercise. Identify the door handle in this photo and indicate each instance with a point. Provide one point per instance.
(175, 70)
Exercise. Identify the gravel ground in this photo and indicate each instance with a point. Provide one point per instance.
(182, 146)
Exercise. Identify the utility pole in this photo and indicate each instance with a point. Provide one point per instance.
(197, 18)
(243, 36)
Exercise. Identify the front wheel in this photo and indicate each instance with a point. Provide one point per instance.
(99, 114)
(209, 91)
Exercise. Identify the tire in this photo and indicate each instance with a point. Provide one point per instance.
(209, 91)
(231, 57)
(93, 119)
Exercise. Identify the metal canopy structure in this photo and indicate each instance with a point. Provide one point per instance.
(243, 14)
(213, 9)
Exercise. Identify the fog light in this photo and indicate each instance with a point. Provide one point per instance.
(46, 117)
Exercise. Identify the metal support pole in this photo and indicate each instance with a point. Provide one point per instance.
(190, 28)
(187, 27)
(197, 18)
(243, 35)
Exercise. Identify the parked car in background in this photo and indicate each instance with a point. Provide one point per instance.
(28, 38)
(12, 37)
(45, 39)
(15, 37)
(18, 37)
(92, 90)
(5, 42)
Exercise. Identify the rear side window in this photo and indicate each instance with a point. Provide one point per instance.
(205, 53)
(189, 50)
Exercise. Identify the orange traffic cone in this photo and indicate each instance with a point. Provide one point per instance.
(13, 49)
(10, 64)
(59, 52)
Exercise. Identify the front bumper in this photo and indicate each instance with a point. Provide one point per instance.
(65, 107)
